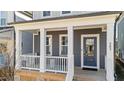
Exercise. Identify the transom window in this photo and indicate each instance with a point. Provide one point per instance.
(49, 45)
(66, 12)
(46, 13)
(63, 45)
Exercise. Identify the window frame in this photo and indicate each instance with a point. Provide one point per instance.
(46, 15)
(60, 44)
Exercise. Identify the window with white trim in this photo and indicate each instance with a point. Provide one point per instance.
(63, 45)
(49, 45)
(46, 13)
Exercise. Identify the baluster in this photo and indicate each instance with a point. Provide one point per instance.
(64, 64)
(47, 63)
(24, 63)
(58, 64)
(55, 64)
(49, 66)
(27, 61)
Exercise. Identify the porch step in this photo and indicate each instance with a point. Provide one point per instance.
(26, 75)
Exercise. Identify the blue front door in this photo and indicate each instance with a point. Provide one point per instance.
(90, 51)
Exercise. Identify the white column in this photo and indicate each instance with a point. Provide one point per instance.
(18, 49)
(70, 52)
(42, 49)
(110, 52)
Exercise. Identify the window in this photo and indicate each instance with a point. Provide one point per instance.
(46, 13)
(90, 47)
(3, 21)
(63, 45)
(66, 12)
(49, 45)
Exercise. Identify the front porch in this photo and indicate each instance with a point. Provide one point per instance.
(56, 53)
(59, 48)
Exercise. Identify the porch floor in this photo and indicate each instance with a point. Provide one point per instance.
(89, 75)
(28, 75)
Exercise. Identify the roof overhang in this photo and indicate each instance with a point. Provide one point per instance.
(69, 17)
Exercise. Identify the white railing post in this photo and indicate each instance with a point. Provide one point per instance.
(42, 49)
(70, 72)
(18, 48)
(110, 52)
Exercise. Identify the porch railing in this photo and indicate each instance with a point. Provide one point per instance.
(57, 64)
(30, 62)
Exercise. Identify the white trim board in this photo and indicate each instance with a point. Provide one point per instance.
(98, 50)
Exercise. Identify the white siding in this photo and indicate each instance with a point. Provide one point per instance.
(37, 15)
(10, 16)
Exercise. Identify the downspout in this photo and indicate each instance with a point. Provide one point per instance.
(14, 46)
(14, 52)
(14, 34)
(115, 30)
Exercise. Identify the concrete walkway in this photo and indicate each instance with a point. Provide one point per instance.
(89, 75)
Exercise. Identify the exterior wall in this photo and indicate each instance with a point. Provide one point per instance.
(39, 14)
(77, 45)
(36, 14)
(27, 42)
(10, 16)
